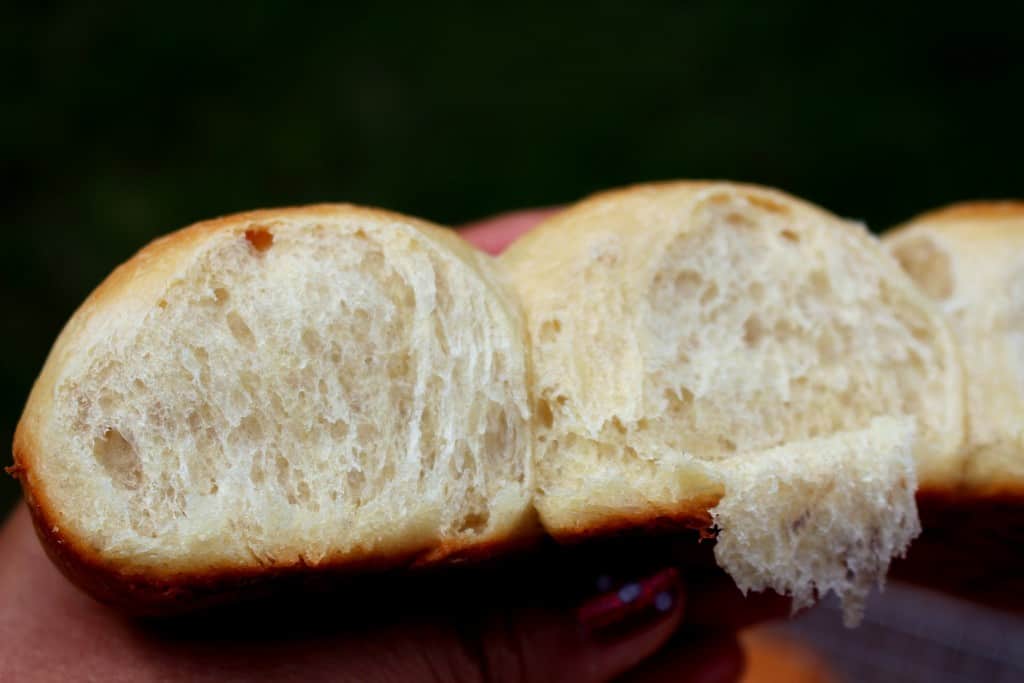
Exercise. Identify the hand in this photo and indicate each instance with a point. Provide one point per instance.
(558, 615)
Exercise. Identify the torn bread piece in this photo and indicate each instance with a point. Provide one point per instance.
(822, 515)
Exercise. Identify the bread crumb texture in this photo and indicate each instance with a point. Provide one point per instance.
(821, 515)
(969, 258)
(296, 388)
(713, 329)
(320, 385)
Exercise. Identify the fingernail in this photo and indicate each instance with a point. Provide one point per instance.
(631, 603)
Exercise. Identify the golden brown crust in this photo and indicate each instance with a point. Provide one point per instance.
(994, 222)
(969, 547)
(143, 594)
(692, 516)
(146, 594)
(150, 594)
(974, 210)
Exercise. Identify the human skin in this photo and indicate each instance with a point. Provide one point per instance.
(541, 618)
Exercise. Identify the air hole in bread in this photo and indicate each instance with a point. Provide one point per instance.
(676, 401)
(240, 331)
(828, 349)
(767, 204)
(549, 330)
(256, 472)
(928, 264)
(710, 294)
(618, 426)
(544, 414)
(108, 400)
(474, 522)
(753, 331)
(355, 485)
(737, 219)
(441, 335)
(118, 458)
(669, 287)
(220, 295)
(261, 239)
(282, 468)
(339, 429)
(820, 283)
(398, 367)
(304, 494)
(790, 236)
(496, 438)
(367, 433)
(250, 428)
(687, 283)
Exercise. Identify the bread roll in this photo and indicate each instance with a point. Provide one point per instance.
(682, 331)
(969, 258)
(334, 387)
(327, 386)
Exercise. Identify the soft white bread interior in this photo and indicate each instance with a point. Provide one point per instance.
(680, 330)
(821, 515)
(969, 258)
(292, 387)
(329, 385)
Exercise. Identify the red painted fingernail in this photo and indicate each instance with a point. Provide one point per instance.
(646, 599)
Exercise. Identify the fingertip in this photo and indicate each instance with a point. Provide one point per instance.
(607, 635)
(494, 234)
(627, 625)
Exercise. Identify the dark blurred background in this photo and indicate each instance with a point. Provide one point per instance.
(124, 121)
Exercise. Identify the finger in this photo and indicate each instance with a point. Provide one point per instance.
(471, 640)
(48, 629)
(494, 234)
(606, 636)
(61, 633)
(688, 658)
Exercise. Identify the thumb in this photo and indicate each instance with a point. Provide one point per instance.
(608, 635)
